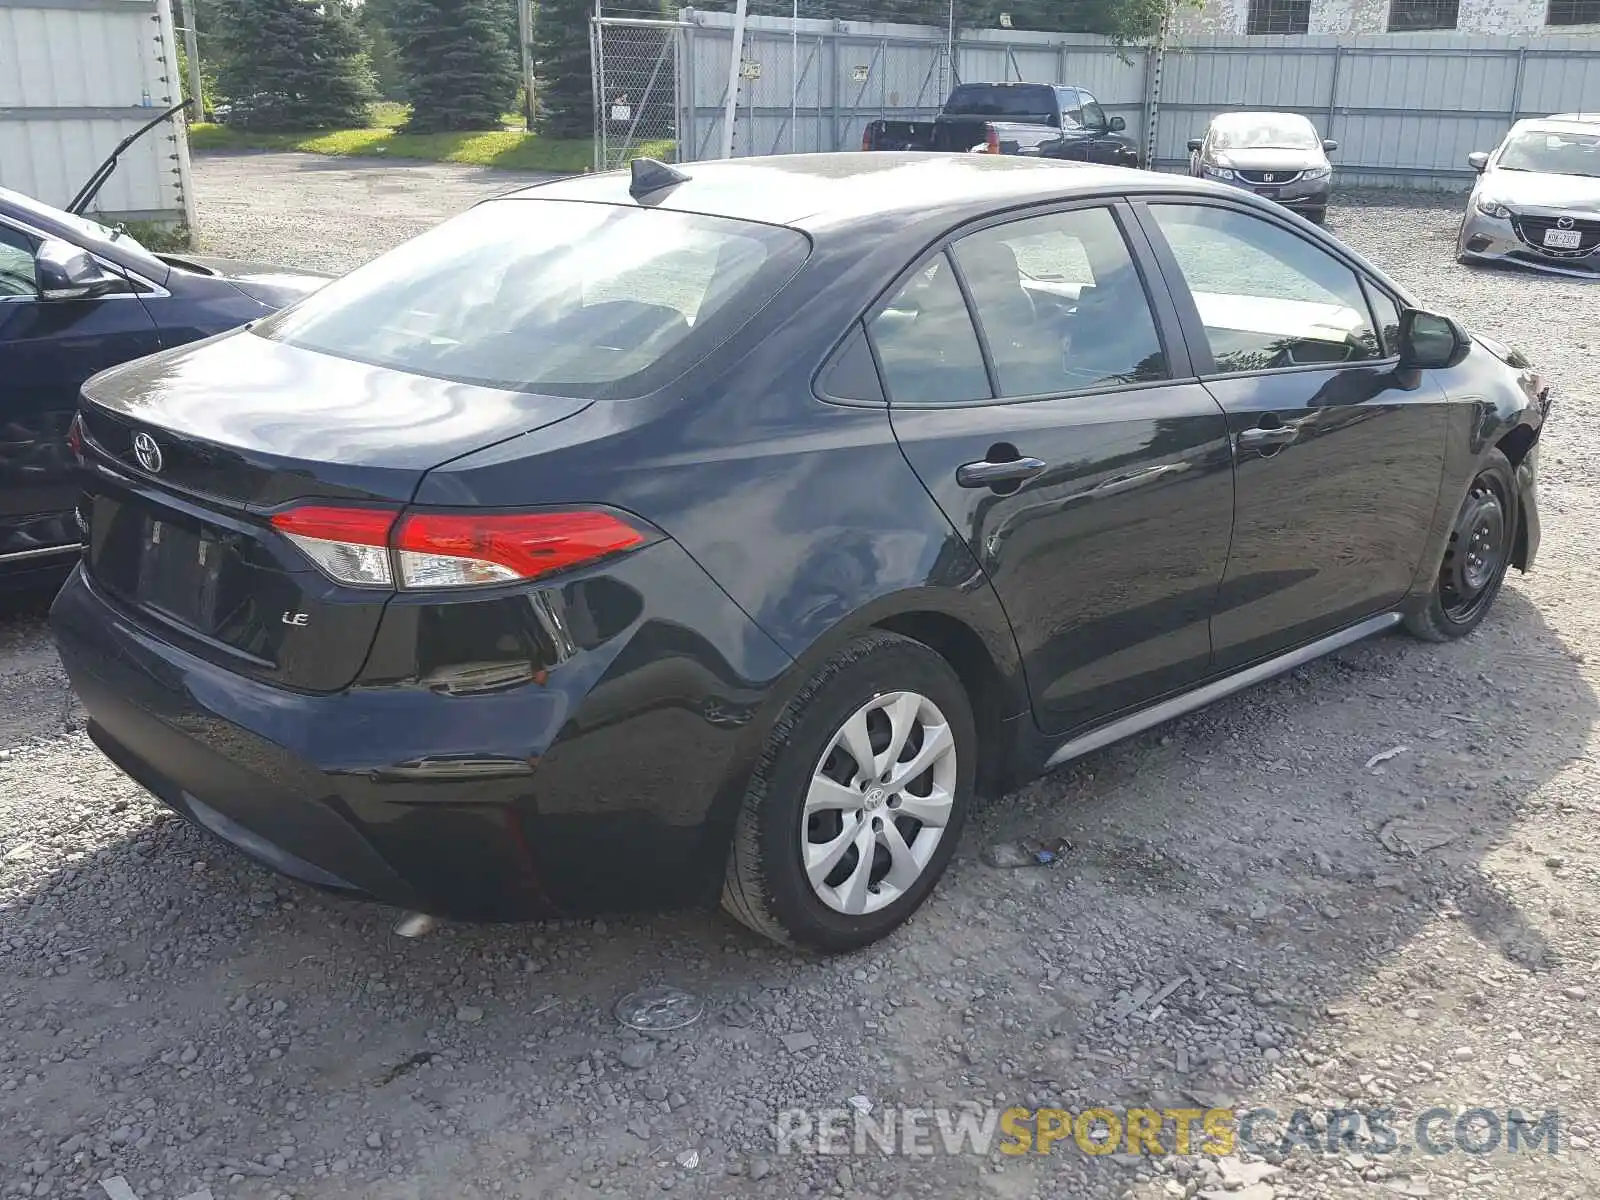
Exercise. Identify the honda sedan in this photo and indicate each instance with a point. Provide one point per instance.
(722, 531)
(1276, 155)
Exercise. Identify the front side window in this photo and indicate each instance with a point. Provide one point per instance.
(1071, 108)
(17, 276)
(1094, 117)
(1267, 298)
(550, 296)
(1061, 305)
(1387, 312)
(926, 344)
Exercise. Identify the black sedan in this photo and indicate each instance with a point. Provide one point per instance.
(1276, 155)
(723, 533)
(76, 296)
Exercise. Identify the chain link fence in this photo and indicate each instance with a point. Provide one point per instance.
(1406, 111)
(636, 68)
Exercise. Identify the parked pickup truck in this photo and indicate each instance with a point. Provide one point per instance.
(1037, 119)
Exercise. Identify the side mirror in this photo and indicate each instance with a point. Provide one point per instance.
(1195, 144)
(68, 272)
(1329, 145)
(1117, 125)
(1430, 341)
(1479, 160)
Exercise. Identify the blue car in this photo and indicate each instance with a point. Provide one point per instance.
(75, 297)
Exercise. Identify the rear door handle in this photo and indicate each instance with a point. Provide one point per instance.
(1268, 437)
(997, 474)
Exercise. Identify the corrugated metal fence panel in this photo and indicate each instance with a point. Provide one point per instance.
(1406, 110)
(1564, 76)
(76, 80)
(74, 58)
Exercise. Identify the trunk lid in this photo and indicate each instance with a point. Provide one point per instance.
(191, 450)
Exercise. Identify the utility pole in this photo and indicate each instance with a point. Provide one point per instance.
(191, 50)
(530, 110)
(730, 104)
(1153, 106)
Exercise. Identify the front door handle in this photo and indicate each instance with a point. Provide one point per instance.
(998, 474)
(1268, 437)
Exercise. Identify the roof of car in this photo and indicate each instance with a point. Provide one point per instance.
(812, 190)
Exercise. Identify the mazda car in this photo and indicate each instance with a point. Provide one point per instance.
(1276, 155)
(1536, 202)
(720, 531)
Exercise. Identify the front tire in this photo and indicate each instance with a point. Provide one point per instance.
(1476, 556)
(858, 801)
(1317, 216)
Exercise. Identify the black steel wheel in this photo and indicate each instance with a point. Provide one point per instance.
(1477, 554)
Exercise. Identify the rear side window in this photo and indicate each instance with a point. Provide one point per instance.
(550, 296)
(926, 343)
(1061, 304)
(1268, 298)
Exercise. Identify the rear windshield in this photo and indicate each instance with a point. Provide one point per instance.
(990, 100)
(550, 296)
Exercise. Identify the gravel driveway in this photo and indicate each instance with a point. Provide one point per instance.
(1259, 909)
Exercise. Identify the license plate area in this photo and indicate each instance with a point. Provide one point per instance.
(1563, 239)
(179, 569)
(1271, 193)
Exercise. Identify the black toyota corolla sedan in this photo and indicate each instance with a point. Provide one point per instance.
(724, 530)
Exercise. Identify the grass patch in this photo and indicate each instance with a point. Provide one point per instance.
(508, 149)
(159, 237)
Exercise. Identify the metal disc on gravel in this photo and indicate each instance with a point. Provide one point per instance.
(659, 1009)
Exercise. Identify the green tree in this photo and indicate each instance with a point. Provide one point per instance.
(458, 60)
(376, 18)
(561, 67)
(292, 64)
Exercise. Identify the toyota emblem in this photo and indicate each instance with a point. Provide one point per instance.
(147, 452)
(1564, 222)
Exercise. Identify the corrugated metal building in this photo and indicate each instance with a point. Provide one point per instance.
(76, 77)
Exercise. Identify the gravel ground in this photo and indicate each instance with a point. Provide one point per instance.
(1253, 914)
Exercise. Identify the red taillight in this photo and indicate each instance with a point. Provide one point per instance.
(364, 546)
(75, 437)
(462, 549)
(360, 526)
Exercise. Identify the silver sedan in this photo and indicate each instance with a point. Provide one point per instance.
(1537, 199)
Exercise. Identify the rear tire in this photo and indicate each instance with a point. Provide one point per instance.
(1476, 556)
(875, 841)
